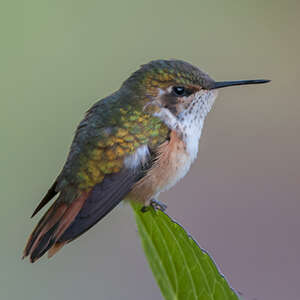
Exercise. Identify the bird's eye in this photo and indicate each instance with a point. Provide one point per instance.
(178, 90)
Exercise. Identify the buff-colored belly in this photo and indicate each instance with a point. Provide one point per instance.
(172, 164)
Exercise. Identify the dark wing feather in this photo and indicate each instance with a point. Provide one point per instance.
(103, 198)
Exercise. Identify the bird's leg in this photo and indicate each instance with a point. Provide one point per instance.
(144, 209)
(158, 205)
(155, 204)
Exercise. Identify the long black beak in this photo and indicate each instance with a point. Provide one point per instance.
(221, 84)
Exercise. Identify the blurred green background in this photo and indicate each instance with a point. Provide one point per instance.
(241, 198)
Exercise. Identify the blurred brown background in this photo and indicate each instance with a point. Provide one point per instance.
(241, 198)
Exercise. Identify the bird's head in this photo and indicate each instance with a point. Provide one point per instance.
(177, 87)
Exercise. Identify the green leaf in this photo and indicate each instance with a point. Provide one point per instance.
(181, 268)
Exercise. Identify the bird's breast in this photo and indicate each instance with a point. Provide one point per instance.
(172, 164)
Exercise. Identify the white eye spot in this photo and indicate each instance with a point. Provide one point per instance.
(178, 90)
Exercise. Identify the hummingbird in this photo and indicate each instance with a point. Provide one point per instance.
(132, 145)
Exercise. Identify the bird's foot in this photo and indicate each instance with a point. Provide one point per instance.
(144, 209)
(155, 204)
(158, 205)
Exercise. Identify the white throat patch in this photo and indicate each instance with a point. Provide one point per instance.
(189, 123)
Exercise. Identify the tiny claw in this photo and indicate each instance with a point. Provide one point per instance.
(144, 209)
(158, 205)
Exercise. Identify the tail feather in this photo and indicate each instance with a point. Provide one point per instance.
(36, 232)
(45, 243)
(56, 247)
(66, 220)
(50, 194)
(52, 226)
